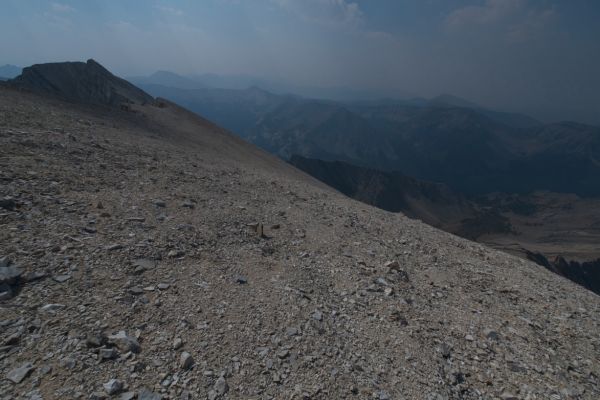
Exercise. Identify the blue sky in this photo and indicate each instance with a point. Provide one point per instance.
(539, 56)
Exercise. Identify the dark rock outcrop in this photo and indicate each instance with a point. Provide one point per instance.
(586, 273)
(81, 82)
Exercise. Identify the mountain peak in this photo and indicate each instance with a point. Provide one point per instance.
(81, 82)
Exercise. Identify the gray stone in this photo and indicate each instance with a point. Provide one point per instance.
(143, 264)
(146, 394)
(61, 278)
(177, 343)
(188, 204)
(283, 354)
(176, 253)
(108, 354)
(446, 350)
(34, 276)
(18, 374)
(124, 343)
(383, 395)
(221, 387)
(136, 291)
(139, 270)
(34, 395)
(95, 340)
(160, 203)
(185, 395)
(163, 286)
(68, 363)
(381, 281)
(52, 308)
(186, 361)
(127, 396)
(4, 262)
(10, 274)
(291, 331)
(45, 370)
(113, 386)
(241, 279)
(317, 315)
(492, 335)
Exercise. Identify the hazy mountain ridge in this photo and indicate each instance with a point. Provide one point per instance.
(441, 143)
(168, 79)
(240, 110)
(275, 86)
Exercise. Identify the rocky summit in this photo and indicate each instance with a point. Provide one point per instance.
(87, 82)
(147, 253)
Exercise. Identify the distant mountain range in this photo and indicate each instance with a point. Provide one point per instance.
(242, 82)
(168, 79)
(446, 139)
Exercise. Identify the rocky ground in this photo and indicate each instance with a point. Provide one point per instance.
(150, 255)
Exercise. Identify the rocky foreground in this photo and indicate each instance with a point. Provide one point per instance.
(148, 254)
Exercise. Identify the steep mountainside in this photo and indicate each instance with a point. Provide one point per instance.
(432, 203)
(473, 150)
(549, 225)
(80, 82)
(155, 255)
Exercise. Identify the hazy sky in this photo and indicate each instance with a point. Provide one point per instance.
(539, 56)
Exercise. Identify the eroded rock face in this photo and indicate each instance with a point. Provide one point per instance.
(342, 300)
